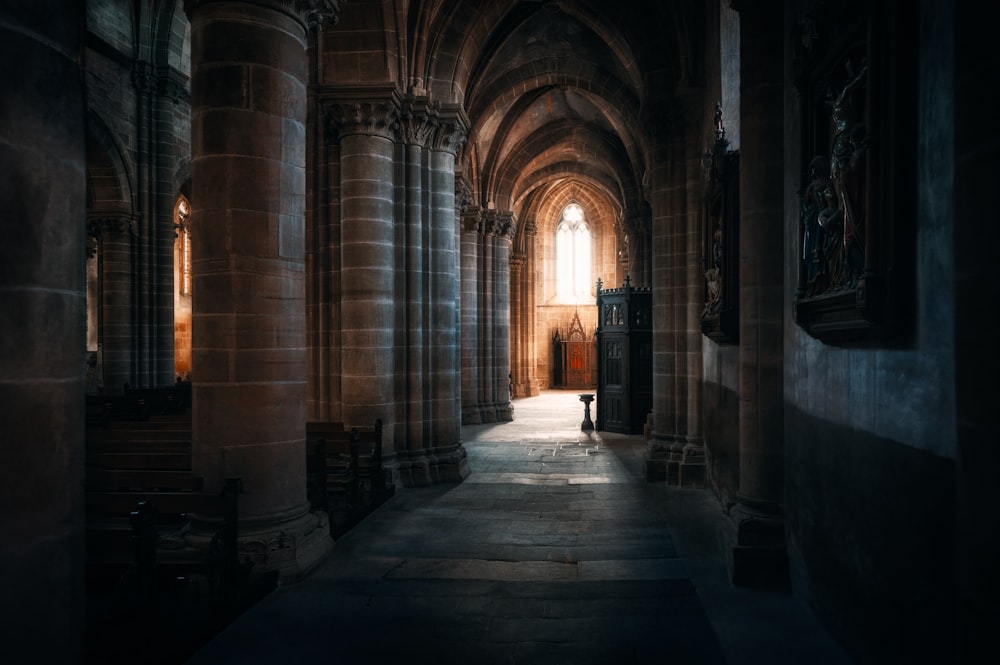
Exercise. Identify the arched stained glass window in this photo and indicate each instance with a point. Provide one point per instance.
(573, 257)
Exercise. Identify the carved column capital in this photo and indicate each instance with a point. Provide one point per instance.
(472, 219)
(417, 121)
(463, 192)
(500, 224)
(312, 14)
(144, 78)
(451, 131)
(100, 223)
(373, 113)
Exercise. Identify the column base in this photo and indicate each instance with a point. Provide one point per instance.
(691, 470)
(471, 417)
(452, 464)
(505, 412)
(291, 544)
(424, 468)
(756, 552)
(657, 459)
(487, 413)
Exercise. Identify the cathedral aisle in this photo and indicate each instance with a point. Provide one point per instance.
(554, 550)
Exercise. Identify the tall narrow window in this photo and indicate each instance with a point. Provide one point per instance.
(573, 257)
(184, 245)
(182, 289)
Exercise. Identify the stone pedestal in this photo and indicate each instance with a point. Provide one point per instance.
(756, 553)
(587, 423)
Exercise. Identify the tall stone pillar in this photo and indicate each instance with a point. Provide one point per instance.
(367, 299)
(450, 459)
(518, 360)
(470, 262)
(664, 447)
(691, 469)
(503, 235)
(416, 127)
(42, 334)
(530, 313)
(158, 89)
(115, 236)
(486, 288)
(758, 555)
(248, 89)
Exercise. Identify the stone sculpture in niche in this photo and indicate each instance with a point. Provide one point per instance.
(719, 316)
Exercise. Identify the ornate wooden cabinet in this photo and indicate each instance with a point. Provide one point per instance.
(624, 358)
(574, 357)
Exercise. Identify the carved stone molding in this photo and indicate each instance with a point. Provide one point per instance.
(500, 224)
(472, 219)
(371, 110)
(463, 192)
(417, 121)
(312, 14)
(451, 131)
(99, 224)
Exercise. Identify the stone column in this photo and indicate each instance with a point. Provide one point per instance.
(691, 470)
(486, 357)
(416, 128)
(517, 323)
(977, 281)
(248, 89)
(450, 459)
(530, 314)
(158, 89)
(503, 233)
(662, 193)
(115, 236)
(367, 297)
(42, 337)
(470, 262)
(758, 554)
(445, 390)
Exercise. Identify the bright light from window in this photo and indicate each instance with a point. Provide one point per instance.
(573, 257)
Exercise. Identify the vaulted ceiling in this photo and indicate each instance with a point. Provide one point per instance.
(560, 94)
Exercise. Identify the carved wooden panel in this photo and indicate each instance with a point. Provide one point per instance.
(855, 74)
(625, 358)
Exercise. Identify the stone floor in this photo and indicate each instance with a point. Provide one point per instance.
(554, 550)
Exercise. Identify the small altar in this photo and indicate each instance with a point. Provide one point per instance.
(575, 357)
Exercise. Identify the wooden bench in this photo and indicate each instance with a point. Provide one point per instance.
(346, 478)
(160, 443)
(332, 466)
(162, 401)
(374, 478)
(136, 521)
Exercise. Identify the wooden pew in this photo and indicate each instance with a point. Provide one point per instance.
(160, 443)
(135, 534)
(332, 467)
(375, 480)
(346, 477)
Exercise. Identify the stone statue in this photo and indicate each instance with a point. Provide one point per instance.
(847, 170)
(813, 201)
